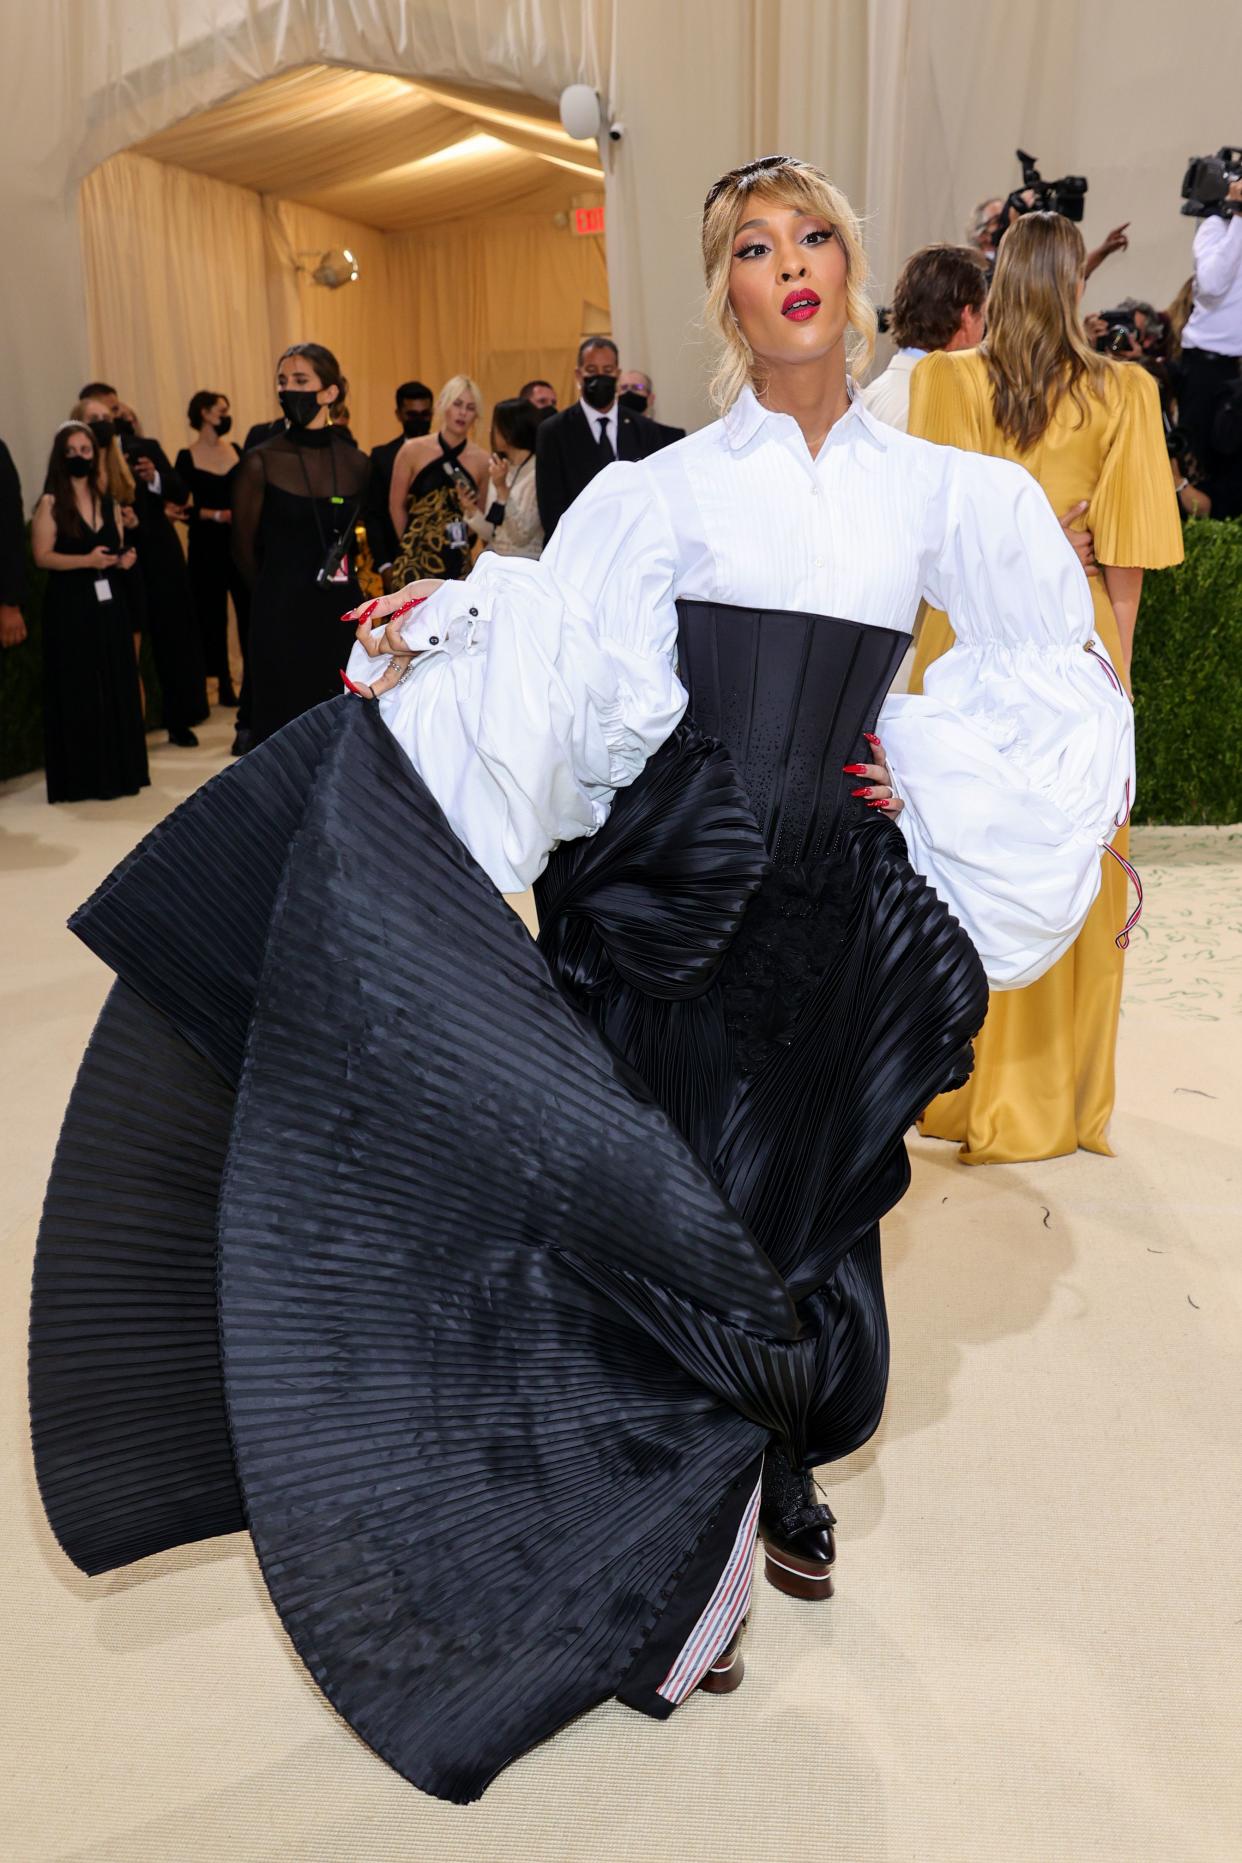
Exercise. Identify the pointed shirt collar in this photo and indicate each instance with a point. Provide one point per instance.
(747, 415)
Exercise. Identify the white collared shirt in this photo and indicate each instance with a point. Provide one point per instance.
(594, 417)
(888, 396)
(1215, 323)
(543, 687)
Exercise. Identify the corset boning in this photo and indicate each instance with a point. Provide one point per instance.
(789, 696)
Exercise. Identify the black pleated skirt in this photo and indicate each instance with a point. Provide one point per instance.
(473, 1277)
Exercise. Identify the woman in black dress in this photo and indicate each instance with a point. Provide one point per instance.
(139, 470)
(426, 513)
(92, 708)
(540, 1278)
(208, 469)
(296, 500)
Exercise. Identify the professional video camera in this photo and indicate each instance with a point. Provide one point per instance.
(1207, 181)
(1039, 196)
(1125, 334)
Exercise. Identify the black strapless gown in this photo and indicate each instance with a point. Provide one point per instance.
(492, 1395)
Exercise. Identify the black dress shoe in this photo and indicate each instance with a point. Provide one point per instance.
(799, 1545)
(184, 740)
(241, 743)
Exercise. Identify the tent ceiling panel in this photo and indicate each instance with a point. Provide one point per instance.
(381, 149)
(477, 175)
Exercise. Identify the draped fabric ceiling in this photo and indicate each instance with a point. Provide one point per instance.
(916, 109)
(383, 150)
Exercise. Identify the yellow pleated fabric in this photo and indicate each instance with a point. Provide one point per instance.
(1044, 1080)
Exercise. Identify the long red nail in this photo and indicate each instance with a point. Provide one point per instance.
(871, 737)
(414, 602)
(357, 690)
(860, 792)
(854, 769)
(881, 804)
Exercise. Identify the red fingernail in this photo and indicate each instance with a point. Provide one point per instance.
(414, 602)
(349, 682)
(860, 792)
(871, 737)
(854, 769)
(881, 804)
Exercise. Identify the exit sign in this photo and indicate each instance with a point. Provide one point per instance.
(588, 220)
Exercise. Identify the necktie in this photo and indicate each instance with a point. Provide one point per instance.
(605, 444)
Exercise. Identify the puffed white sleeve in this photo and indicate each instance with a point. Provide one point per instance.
(1016, 764)
(543, 687)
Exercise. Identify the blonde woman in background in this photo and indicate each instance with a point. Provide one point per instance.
(1088, 430)
(426, 513)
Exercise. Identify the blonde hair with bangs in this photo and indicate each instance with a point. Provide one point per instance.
(458, 385)
(793, 183)
(1035, 349)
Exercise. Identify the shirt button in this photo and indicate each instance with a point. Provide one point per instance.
(819, 562)
(474, 611)
(814, 491)
(433, 640)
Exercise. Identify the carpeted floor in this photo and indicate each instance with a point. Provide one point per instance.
(1035, 1650)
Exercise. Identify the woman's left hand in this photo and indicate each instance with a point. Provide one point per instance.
(466, 498)
(127, 559)
(876, 784)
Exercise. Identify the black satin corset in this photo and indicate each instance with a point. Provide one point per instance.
(789, 696)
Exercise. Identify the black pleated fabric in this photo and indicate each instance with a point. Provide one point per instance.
(523, 1255)
(126, 1391)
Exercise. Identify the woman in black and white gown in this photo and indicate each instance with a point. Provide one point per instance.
(546, 1275)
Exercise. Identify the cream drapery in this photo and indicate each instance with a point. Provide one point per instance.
(176, 273)
(510, 298)
(917, 107)
(193, 283)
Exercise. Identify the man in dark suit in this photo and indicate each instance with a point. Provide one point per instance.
(414, 403)
(581, 440)
(167, 596)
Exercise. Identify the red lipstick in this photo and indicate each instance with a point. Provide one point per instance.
(800, 304)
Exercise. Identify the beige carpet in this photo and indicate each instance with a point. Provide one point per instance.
(1035, 1652)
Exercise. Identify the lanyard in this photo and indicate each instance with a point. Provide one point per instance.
(325, 542)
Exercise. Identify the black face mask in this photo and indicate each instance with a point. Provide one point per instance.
(103, 431)
(634, 400)
(123, 426)
(79, 468)
(224, 424)
(598, 391)
(299, 405)
(414, 426)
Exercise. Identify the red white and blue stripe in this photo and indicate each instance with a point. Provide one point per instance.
(724, 1611)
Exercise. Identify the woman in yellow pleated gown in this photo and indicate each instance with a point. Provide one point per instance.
(1088, 429)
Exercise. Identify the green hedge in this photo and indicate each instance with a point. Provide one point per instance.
(1188, 682)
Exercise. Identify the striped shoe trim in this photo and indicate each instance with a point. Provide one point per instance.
(723, 1613)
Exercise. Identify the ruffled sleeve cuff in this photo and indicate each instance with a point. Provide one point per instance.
(1016, 767)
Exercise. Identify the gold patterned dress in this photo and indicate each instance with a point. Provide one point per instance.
(436, 541)
(1043, 1082)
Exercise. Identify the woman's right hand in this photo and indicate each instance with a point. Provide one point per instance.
(101, 557)
(380, 640)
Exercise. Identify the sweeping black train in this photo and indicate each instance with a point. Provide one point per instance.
(472, 1277)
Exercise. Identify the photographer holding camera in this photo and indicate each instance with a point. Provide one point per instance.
(1212, 338)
